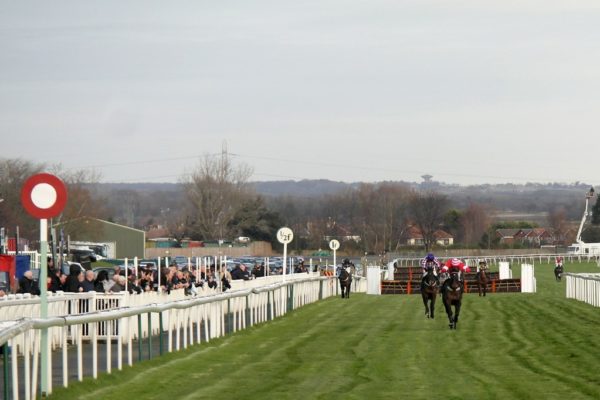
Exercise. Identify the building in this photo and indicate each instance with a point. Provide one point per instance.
(442, 238)
(128, 242)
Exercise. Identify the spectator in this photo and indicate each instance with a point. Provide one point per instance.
(133, 285)
(179, 281)
(211, 280)
(259, 270)
(240, 272)
(147, 281)
(28, 285)
(190, 289)
(166, 280)
(88, 282)
(72, 283)
(226, 280)
(54, 280)
(102, 284)
(119, 284)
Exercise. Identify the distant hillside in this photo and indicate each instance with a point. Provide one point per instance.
(303, 188)
(530, 198)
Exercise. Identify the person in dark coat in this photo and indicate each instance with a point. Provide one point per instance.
(28, 285)
(54, 282)
(102, 283)
(240, 272)
(73, 283)
(88, 282)
(259, 270)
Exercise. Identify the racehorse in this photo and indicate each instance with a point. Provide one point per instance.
(558, 271)
(482, 278)
(429, 291)
(345, 279)
(452, 292)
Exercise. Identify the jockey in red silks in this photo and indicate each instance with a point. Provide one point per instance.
(559, 261)
(454, 264)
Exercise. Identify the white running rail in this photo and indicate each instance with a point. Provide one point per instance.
(128, 331)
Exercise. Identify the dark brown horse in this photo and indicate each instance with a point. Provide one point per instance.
(558, 271)
(429, 290)
(482, 278)
(452, 292)
(345, 279)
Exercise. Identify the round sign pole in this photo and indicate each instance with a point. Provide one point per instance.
(334, 245)
(44, 196)
(285, 236)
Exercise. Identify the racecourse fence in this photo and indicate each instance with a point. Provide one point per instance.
(121, 323)
(583, 287)
(472, 261)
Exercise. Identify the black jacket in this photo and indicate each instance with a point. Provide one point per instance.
(28, 286)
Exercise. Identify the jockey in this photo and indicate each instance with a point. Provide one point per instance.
(345, 264)
(559, 261)
(454, 264)
(430, 261)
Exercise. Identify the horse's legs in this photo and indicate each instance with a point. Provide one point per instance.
(449, 312)
(432, 305)
(425, 297)
(456, 313)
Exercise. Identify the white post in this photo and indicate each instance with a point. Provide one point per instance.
(158, 290)
(284, 260)
(126, 273)
(45, 349)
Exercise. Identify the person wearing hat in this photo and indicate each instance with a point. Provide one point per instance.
(430, 261)
(454, 265)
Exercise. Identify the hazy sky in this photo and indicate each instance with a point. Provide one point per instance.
(467, 91)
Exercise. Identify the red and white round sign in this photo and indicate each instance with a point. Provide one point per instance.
(44, 196)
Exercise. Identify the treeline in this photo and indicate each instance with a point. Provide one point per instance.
(217, 201)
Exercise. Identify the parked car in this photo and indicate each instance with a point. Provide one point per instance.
(147, 265)
(110, 270)
(66, 267)
(83, 255)
(181, 261)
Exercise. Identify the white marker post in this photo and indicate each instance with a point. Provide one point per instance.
(44, 196)
(334, 245)
(285, 236)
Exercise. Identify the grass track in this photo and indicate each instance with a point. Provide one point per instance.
(507, 346)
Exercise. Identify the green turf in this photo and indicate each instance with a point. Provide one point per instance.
(507, 346)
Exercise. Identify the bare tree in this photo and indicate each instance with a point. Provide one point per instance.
(557, 220)
(13, 173)
(474, 222)
(427, 210)
(215, 192)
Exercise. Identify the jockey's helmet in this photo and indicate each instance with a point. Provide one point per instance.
(455, 262)
(430, 257)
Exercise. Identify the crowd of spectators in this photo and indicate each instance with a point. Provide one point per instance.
(119, 280)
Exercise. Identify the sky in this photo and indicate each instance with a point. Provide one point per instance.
(469, 92)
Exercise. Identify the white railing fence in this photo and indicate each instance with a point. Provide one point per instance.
(496, 259)
(78, 326)
(583, 287)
